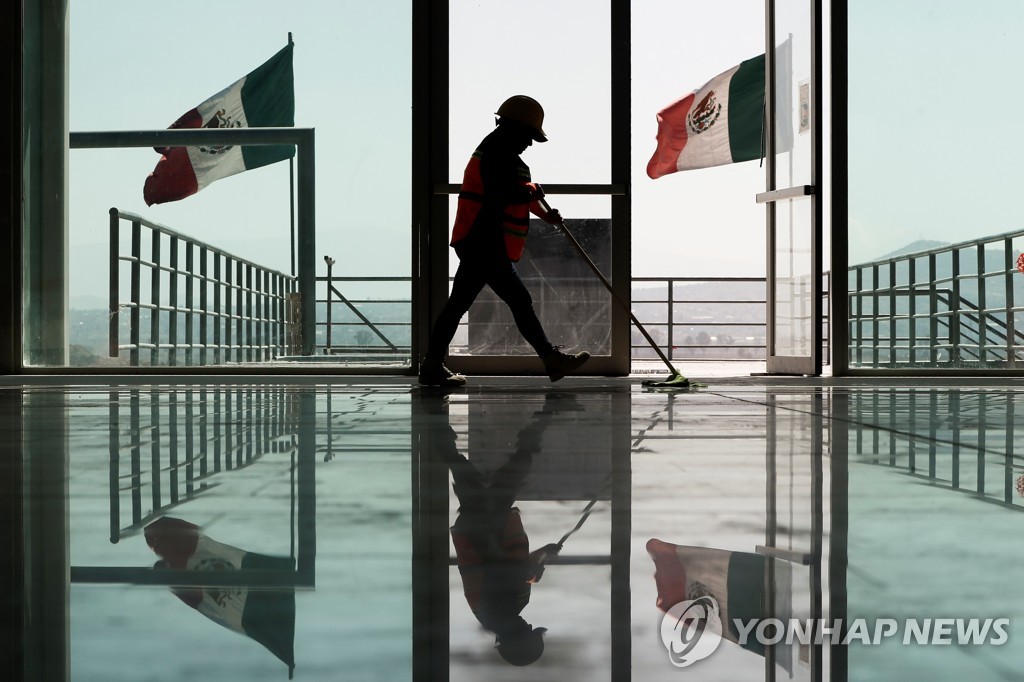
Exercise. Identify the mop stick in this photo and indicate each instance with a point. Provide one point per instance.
(675, 378)
(548, 552)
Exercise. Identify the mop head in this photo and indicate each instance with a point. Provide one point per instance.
(675, 380)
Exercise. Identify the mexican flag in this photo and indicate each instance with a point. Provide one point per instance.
(263, 98)
(267, 616)
(734, 579)
(718, 124)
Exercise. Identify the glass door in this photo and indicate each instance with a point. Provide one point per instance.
(792, 197)
(584, 168)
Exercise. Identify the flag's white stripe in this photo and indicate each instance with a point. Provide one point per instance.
(213, 164)
(710, 148)
(224, 605)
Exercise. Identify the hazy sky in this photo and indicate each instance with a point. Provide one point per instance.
(138, 65)
(934, 92)
(929, 158)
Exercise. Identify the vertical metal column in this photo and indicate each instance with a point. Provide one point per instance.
(621, 537)
(307, 239)
(621, 169)
(839, 526)
(47, 547)
(431, 644)
(306, 485)
(113, 300)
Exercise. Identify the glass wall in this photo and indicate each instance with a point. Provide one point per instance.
(130, 68)
(934, 220)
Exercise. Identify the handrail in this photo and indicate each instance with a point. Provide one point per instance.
(972, 315)
(249, 317)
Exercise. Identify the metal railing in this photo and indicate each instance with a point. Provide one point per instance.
(955, 440)
(950, 306)
(712, 318)
(169, 447)
(695, 318)
(216, 307)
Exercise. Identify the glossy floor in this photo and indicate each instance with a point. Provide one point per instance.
(369, 530)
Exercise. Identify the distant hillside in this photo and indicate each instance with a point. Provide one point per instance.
(914, 247)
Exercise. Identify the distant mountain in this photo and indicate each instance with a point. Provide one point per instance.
(914, 247)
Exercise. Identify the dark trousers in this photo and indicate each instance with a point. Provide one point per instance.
(504, 281)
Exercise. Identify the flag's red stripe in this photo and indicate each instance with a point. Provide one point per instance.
(669, 574)
(671, 138)
(173, 539)
(173, 178)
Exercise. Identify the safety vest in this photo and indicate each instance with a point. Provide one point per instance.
(515, 219)
(515, 548)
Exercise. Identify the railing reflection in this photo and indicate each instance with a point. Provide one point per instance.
(961, 441)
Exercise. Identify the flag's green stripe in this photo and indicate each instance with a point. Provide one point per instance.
(269, 615)
(746, 110)
(745, 592)
(268, 96)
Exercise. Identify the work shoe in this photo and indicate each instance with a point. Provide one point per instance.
(558, 364)
(439, 375)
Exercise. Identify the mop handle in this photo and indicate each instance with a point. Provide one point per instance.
(607, 285)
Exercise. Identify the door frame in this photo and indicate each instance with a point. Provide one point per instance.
(779, 364)
(431, 222)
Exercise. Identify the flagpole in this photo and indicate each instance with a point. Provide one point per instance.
(291, 193)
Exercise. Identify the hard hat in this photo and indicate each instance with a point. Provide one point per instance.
(523, 648)
(527, 111)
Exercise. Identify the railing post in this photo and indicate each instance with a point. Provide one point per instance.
(114, 294)
(876, 356)
(154, 298)
(1011, 327)
(172, 314)
(912, 311)
(276, 318)
(228, 294)
(267, 303)
(240, 313)
(982, 307)
(217, 319)
(330, 284)
(248, 313)
(671, 316)
(933, 310)
(892, 314)
(136, 294)
(189, 303)
(954, 322)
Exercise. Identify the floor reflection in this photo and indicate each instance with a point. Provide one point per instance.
(375, 531)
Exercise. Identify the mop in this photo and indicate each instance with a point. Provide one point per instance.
(675, 379)
(549, 552)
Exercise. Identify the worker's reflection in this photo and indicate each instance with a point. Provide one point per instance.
(497, 567)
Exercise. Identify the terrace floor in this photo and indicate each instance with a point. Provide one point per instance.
(363, 528)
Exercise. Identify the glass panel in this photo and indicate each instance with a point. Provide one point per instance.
(900, 203)
(793, 310)
(363, 225)
(794, 290)
(571, 302)
(535, 49)
(699, 223)
(217, 483)
(793, 124)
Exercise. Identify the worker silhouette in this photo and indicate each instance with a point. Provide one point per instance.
(495, 563)
(491, 224)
